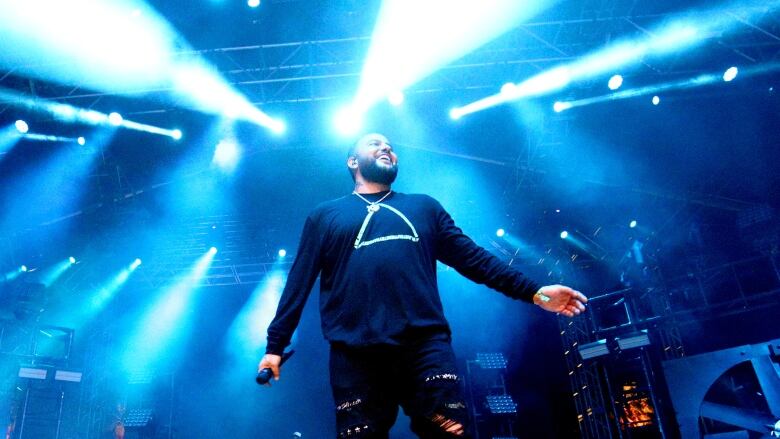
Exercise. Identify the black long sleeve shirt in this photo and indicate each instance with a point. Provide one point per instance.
(378, 270)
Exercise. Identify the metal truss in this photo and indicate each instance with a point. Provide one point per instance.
(329, 69)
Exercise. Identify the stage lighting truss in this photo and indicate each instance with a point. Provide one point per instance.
(501, 404)
(491, 360)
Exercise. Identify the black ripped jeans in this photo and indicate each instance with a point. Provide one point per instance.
(370, 383)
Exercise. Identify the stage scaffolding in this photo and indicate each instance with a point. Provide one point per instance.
(613, 380)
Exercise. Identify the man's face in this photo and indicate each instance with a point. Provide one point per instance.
(376, 160)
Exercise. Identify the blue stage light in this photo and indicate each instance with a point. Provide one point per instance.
(632, 224)
(508, 88)
(396, 98)
(22, 126)
(253, 3)
(656, 100)
(23, 269)
(81, 141)
(348, 121)
(615, 82)
(213, 250)
(456, 114)
(72, 260)
(282, 253)
(226, 154)
(176, 134)
(564, 234)
(115, 119)
(561, 106)
(135, 264)
(730, 74)
(500, 232)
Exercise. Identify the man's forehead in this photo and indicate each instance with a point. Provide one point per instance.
(371, 137)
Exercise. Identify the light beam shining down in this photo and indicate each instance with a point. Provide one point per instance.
(117, 46)
(412, 39)
(165, 321)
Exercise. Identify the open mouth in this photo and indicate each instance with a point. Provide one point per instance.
(386, 159)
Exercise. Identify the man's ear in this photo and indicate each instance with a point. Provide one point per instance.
(352, 162)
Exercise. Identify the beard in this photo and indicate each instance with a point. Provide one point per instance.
(376, 173)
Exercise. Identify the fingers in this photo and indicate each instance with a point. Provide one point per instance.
(580, 297)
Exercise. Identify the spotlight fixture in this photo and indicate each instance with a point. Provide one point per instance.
(501, 404)
(491, 360)
(631, 341)
(72, 260)
(615, 82)
(22, 126)
(559, 106)
(396, 98)
(564, 234)
(632, 224)
(730, 74)
(81, 141)
(115, 119)
(593, 350)
(253, 3)
(176, 134)
(656, 100)
(23, 269)
(282, 253)
(213, 250)
(500, 233)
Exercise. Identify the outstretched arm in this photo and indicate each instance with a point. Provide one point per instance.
(460, 252)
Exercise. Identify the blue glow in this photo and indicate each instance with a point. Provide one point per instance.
(615, 82)
(564, 234)
(226, 154)
(508, 88)
(500, 233)
(9, 137)
(81, 141)
(115, 46)
(282, 253)
(561, 106)
(348, 121)
(656, 100)
(135, 264)
(396, 98)
(632, 224)
(411, 40)
(115, 119)
(50, 275)
(253, 3)
(22, 126)
(165, 320)
(23, 269)
(247, 332)
(176, 134)
(730, 74)
(72, 260)
(666, 38)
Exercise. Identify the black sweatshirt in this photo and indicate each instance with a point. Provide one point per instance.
(378, 268)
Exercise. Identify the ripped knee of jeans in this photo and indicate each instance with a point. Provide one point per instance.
(449, 425)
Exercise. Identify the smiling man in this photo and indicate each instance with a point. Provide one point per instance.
(376, 252)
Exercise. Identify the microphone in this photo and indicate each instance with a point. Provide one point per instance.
(266, 374)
